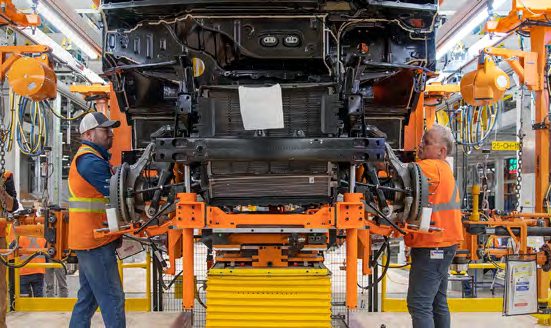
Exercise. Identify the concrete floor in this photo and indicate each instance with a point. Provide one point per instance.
(61, 319)
(134, 285)
(359, 320)
(459, 320)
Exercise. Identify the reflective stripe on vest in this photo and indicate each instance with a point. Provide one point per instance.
(33, 243)
(88, 149)
(87, 205)
(82, 204)
(453, 204)
(87, 208)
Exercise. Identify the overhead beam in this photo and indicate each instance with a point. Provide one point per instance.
(82, 28)
(457, 21)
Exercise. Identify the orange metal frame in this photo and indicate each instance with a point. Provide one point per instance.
(191, 214)
(9, 54)
(11, 16)
(523, 63)
(349, 215)
(540, 37)
(424, 115)
(531, 68)
(435, 92)
(108, 104)
(522, 239)
(34, 226)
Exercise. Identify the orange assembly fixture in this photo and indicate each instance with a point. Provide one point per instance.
(106, 102)
(28, 68)
(31, 77)
(532, 16)
(11, 16)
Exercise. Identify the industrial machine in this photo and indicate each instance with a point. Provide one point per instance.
(485, 86)
(29, 72)
(268, 126)
(270, 131)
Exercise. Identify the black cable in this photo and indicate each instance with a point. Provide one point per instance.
(157, 188)
(167, 287)
(344, 322)
(155, 217)
(22, 264)
(383, 187)
(160, 271)
(385, 268)
(382, 216)
(197, 297)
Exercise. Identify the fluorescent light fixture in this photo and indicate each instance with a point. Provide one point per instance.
(56, 21)
(446, 12)
(472, 53)
(39, 37)
(486, 41)
(466, 29)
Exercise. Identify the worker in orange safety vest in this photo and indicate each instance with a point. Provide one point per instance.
(89, 174)
(8, 196)
(432, 253)
(31, 280)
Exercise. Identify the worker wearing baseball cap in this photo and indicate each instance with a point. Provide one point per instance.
(89, 175)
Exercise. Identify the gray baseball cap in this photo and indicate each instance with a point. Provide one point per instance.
(96, 120)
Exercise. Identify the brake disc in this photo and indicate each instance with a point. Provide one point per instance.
(127, 179)
(117, 192)
(420, 192)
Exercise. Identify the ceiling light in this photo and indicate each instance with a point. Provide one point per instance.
(59, 24)
(468, 27)
(486, 41)
(39, 37)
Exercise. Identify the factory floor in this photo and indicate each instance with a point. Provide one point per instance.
(61, 319)
(397, 281)
(362, 320)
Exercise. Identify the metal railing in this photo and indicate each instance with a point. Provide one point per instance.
(455, 304)
(63, 304)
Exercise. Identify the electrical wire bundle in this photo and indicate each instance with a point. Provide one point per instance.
(472, 125)
(33, 142)
(30, 139)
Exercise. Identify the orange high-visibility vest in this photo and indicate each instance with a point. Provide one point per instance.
(3, 223)
(446, 207)
(86, 208)
(32, 242)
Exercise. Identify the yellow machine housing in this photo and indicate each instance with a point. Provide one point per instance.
(269, 297)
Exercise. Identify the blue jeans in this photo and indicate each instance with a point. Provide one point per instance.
(100, 284)
(428, 284)
(32, 285)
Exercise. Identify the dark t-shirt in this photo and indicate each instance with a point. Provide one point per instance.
(10, 189)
